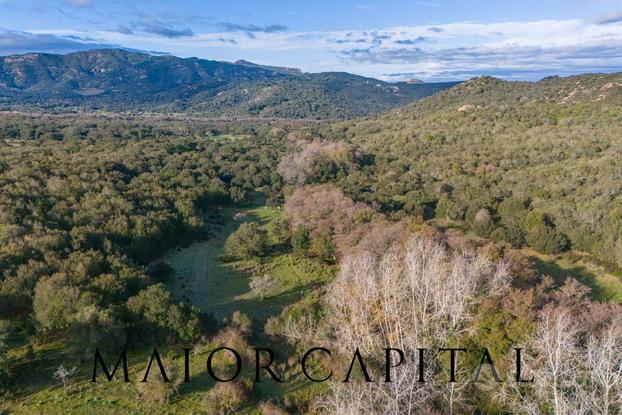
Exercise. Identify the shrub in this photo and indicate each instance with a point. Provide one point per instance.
(248, 241)
(156, 391)
(512, 215)
(483, 223)
(55, 302)
(542, 235)
(322, 246)
(268, 408)
(225, 398)
(281, 230)
(238, 195)
(241, 322)
(450, 208)
(300, 241)
(262, 285)
(547, 240)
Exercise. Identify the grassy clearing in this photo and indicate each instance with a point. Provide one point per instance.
(117, 397)
(203, 280)
(605, 285)
(220, 288)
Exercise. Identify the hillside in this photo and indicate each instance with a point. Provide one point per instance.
(494, 202)
(324, 95)
(488, 91)
(121, 80)
(104, 76)
(487, 153)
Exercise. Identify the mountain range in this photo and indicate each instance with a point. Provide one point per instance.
(120, 80)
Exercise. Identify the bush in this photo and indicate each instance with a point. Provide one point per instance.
(300, 241)
(55, 302)
(225, 398)
(156, 391)
(262, 285)
(512, 215)
(450, 208)
(155, 316)
(542, 235)
(547, 240)
(281, 230)
(241, 322)
(268, 408)
(483, 224)
(322, 246)
(238, 196)
(248, 241)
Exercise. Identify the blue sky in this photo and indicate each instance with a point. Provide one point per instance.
(391, 40)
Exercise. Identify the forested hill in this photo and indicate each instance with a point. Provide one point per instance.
(482, 92)
(488, 153)
(120, 80)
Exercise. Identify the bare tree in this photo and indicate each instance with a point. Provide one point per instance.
(557, 374)
(64, 375)
(421, 292)
(602, 392)
(416, 295)
(575, 372)
(297, 168)
(262, 285)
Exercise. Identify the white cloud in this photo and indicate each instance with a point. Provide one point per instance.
(456, 50)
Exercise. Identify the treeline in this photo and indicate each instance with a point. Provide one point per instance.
(80, 126)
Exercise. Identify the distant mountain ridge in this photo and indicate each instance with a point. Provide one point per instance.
(279, 69)
(116, 79)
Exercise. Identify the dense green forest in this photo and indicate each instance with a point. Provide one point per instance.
(531, 164)
(81, 219)
(485, 216)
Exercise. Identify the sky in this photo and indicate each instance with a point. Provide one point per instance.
(431, 40)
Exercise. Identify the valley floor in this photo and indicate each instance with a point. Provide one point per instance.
(205, 281)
